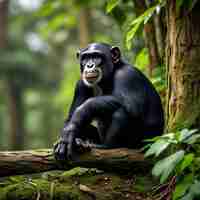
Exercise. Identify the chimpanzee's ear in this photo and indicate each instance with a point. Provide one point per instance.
(78, 54)
(116, 54)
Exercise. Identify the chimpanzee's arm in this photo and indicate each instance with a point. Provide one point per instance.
(101, 106)
(91, 108)
(81, 94)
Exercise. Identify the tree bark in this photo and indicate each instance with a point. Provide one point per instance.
(84, 32)
(15, 104)
(183, 66)
(34, 161)
(3, 22)
(149, 37)
(159, 35)
(16, 113)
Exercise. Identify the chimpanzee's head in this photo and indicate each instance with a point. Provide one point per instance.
(97, 62)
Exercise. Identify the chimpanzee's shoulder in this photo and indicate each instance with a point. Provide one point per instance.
(126, 71)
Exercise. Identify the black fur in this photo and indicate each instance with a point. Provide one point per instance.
(124, 102)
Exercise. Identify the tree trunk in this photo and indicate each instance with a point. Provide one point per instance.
(3, 22)
(149, 37)
(84, 33)
(16, 113)
(183, 66)
(159, 35)
(23, 162)
(15, 106)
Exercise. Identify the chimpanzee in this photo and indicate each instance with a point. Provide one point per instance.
(124, 103)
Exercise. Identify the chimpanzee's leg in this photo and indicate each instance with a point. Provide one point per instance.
(96, 107)
(83, 115)
(116, 133)
(124, 131)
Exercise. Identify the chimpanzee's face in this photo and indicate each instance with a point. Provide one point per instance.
(96, 63)
(92, 69)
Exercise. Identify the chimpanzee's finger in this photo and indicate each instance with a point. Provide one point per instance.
(60, 151)
(70, 146)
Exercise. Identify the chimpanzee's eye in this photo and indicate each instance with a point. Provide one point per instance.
(84, 61)
(97, 60)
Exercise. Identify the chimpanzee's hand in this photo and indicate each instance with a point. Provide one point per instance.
(63, 149)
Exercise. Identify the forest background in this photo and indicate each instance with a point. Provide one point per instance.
(38, 68)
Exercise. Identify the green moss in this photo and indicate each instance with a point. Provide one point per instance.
(62, 192)
(66, 186)
(77, 171)
(18, 192)
(89, 180)
(41, 189)
(144, 184)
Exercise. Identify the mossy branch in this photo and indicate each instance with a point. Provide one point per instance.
(34, 161)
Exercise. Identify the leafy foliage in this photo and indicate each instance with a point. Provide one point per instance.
(141, 20)
(136, 23)
(181, 161)
(142, 59)
(189, 4)
(111, 4)
(164, 167)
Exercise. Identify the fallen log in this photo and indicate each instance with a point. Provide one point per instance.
(35, 161)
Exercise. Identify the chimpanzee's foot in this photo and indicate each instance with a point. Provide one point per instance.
(86, 145)
(83, 145)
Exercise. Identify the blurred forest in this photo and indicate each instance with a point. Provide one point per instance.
(38, 70)
(38, 67)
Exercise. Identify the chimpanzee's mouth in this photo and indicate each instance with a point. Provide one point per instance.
(92, 76)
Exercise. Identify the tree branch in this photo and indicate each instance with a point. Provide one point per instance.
(34, 161)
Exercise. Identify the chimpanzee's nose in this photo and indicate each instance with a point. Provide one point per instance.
(90, 65)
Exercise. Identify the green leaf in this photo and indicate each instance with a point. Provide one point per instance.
(179, 3)
(192, 3)
(170, 137)
(189, 4)
(183, 186)
(185, 134)
(144, 16)
(154, 139)
(194, 192)
(136, 23)
(164, 167)
(187, 161)
(111, 4)
(130, 35)
(195, 188)
(157, 148)
(189, 196)
(193, 139)
(47, 9)
(142, 59)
